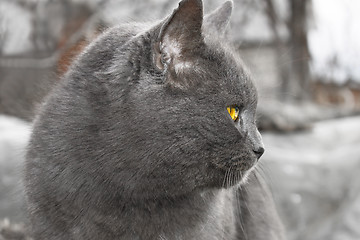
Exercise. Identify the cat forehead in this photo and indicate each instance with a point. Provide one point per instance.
(228, 63)
(231, 75)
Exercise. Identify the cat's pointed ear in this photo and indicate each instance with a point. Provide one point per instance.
(217, 22)
(179, 35)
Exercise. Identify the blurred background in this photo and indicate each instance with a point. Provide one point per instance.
(305, 59)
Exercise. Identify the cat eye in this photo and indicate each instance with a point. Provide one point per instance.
(234, 112)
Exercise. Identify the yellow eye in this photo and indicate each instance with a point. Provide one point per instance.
(234, 112)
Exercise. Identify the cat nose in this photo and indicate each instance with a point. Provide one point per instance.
(259, 152)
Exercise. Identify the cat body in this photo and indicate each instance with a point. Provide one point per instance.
(136, 142)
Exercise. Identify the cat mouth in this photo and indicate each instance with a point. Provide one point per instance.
(237, 163)
(233, 171)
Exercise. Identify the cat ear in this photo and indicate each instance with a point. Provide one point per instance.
(179, 36)
(217, 22)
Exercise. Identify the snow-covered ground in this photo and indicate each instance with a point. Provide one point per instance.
(315, 180)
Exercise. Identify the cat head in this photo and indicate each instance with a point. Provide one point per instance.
(184, 119)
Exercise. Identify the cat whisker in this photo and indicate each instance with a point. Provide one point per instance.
(264, 173)
(231, 178)
(262, 170)
(239, 212)
(245, 202)
(239, 177)
(224, 180)
(238, 207)
(228, 178)
(247, 206)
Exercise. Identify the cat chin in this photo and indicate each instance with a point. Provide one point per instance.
(232, 175)
(237, 183)
(246, 175)
(237, 164)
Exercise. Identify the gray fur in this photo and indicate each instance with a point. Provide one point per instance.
(136, 142)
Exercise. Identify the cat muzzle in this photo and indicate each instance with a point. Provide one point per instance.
(259, 152)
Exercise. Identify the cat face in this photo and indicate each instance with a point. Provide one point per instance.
(187, 115)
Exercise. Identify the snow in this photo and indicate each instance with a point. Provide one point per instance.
(314, 178)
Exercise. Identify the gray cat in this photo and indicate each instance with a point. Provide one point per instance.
(152, 135)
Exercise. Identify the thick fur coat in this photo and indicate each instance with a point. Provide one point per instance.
(136, 142)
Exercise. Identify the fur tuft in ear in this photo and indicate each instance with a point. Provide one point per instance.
(179, 36)
(216, 23)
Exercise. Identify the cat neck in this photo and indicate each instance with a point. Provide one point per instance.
(199, 215)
